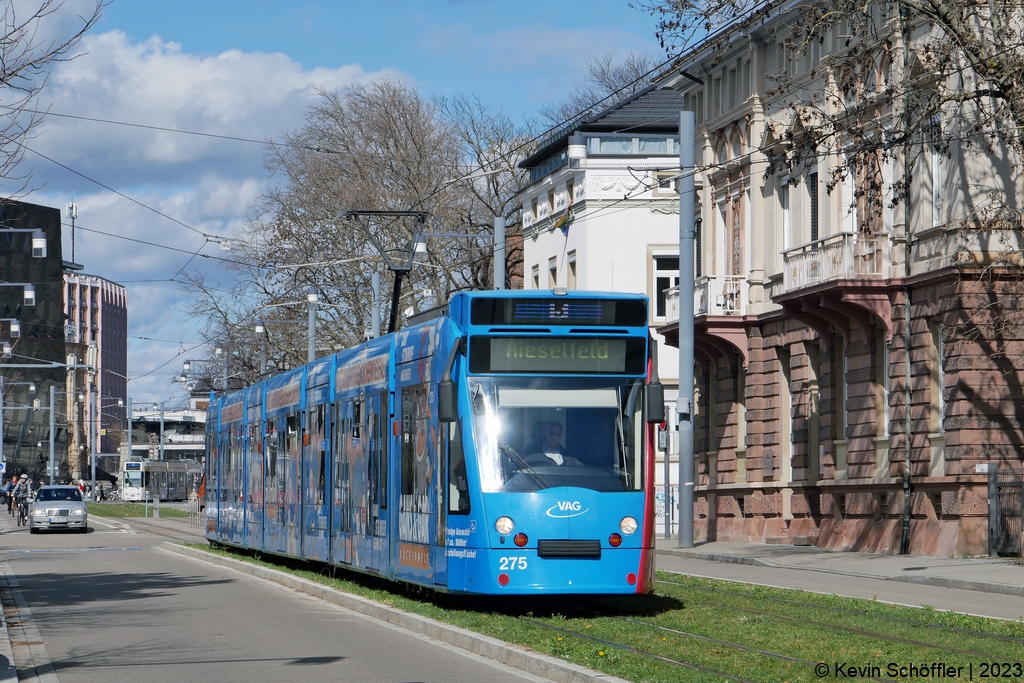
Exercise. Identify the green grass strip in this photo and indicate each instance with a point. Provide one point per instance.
(749, 633)
(131, 510)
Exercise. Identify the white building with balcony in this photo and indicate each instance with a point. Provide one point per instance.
(602, 211)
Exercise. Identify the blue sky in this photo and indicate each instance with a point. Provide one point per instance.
(250, 69)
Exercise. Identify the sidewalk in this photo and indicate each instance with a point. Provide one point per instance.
(986, 574)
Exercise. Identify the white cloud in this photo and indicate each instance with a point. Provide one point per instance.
(206, 183)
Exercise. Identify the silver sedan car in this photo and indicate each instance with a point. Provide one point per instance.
(58, 507)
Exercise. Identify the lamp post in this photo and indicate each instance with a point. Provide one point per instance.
(160, 407)
(15, 326)
(261, 330)
(186, 368)
(38, 240)
(312, 297)
(28, 291)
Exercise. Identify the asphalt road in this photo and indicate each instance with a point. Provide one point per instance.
(112, 606)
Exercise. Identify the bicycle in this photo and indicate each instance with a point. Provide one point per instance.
(23, 511)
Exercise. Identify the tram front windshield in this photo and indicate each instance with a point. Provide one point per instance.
(538, 433)
(132, 479)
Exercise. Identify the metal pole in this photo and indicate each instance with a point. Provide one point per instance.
(225, 378)
(53, 407)
(375, 313)
(263, 353)
(311, 351)
(129, 429)
(684, 406)
(499, 252)
(668, 486)
(3, 457)
(161, 431)
(94, 409)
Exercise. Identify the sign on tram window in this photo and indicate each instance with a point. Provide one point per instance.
(558, 310)
(557, 355)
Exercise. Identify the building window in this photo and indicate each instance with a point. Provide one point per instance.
(570, 189)
(665, 184)
(938, 379)
(666, 275)
(812, 191)
(551, 202)
(536, 277)
(883, 383)
(570, 276)
(552, 272)
(787, 241)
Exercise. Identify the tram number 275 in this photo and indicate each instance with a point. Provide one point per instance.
(508, 564)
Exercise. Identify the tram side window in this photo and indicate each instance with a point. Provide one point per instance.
(458, 486)
(415, 446)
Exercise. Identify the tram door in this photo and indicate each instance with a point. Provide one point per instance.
(417, 552)
(341, 515)
(316, 475)
(377, 484)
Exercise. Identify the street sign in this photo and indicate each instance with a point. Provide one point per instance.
(3, 466)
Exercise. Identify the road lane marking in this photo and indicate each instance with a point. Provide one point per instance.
(65, 550)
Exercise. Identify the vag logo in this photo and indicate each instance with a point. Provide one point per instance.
(566, 508)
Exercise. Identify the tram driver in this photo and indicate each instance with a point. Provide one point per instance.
(547, 449)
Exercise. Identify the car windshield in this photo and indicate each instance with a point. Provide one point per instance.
(59, 494)
(538, 433)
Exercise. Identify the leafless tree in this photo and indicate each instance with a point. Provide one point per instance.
(607, 81)
(375, 147)
(33, 36)
(895, 82)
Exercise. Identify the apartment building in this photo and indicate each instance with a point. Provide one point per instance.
(805, 364)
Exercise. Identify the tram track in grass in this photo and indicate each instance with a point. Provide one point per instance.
(688, 665)
(687, 633)
(888, 618)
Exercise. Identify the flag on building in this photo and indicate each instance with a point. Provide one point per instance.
(565, 219)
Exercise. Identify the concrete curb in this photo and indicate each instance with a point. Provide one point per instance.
(510, 655)
(937, 581)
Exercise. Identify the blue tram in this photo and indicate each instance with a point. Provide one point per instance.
(504, 447)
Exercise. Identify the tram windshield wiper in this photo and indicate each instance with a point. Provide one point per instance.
(521, 464)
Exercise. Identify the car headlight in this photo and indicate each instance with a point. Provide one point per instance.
(628, 525)
(39, 513)
(504, 525)
(78, 513)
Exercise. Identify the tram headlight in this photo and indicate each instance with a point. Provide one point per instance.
(628, 525)
(504, 525)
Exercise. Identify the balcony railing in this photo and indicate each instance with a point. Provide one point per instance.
(713, 295)
(838, 257)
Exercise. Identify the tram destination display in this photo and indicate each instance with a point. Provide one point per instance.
(568, 355)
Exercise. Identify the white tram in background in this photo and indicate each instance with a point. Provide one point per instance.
(166, 480)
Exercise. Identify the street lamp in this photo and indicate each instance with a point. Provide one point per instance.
(261, 330)
(312, 298)
(15, 326)
(28, 291)
(38, 240)
(160, 407)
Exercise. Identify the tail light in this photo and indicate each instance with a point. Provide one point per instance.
(520, 539)
(615, 540)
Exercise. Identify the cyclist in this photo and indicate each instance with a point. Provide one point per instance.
(21, 494)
